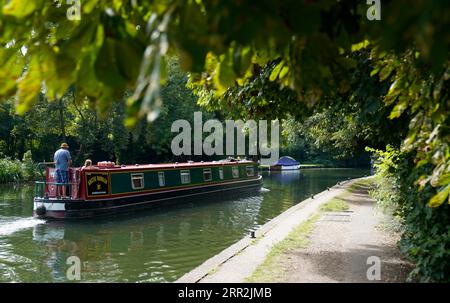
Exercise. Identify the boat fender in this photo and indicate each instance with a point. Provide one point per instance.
(41, 210)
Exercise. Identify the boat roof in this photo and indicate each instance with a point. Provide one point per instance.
(165, 165)
(286, 161)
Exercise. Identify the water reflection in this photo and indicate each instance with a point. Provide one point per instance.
(158, 245)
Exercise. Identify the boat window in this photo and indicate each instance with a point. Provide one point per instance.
(161, 178)
(137, 181)
(185, 176)
(221, 173)
(235, 171)
(250, 171)
(207, 175)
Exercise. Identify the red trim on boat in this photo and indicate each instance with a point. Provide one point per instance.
(126, 168)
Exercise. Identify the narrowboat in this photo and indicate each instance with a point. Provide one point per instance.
(107, 188)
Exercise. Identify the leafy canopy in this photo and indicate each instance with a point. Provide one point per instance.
(119, 45)
(218, 40)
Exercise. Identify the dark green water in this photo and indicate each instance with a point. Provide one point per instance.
(153, 246)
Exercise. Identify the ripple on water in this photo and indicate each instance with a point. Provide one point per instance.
(12, 225)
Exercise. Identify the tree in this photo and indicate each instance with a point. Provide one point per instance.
(304, 48)
(101, 54)
(93, 135)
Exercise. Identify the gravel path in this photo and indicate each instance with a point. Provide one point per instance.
(338, 250)
(341, 244)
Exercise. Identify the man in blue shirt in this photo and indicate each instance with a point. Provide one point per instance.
(62, 162)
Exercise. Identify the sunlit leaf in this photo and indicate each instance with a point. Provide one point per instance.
(10, 71)
(374, 72)
(385, 72)
(29, 87)
(359, 46)
(440, 197)
(398, 109)
(242, 60)
(225, 74)
(284, 71)
(21, 8)
(276, 71)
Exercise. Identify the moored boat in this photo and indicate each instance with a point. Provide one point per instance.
(107, 188)
(285, 163)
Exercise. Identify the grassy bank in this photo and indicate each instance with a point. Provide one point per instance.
(270, 270)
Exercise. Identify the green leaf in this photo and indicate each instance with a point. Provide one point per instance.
(359, 46)
(283, 72)
(385, 72)
(11, 69)
(106, 69)
(57, 72)
(422, 163)
(104, 101)
(440, 197)
(225, 75)
(242, 60)
(163, 70)
(86, 77)
(29, 87)
(88, 6)
(398, 109)
(129, 56)
(21, 8)
(444, 179)
(374, 72)
(276, 71)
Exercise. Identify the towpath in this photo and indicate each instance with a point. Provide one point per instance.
(342, 246)
(347, 246)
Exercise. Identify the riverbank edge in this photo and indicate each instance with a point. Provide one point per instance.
(273, 231)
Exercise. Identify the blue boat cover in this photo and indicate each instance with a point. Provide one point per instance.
(287, 161)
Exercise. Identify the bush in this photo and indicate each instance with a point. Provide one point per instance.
(29, 168)
(426, 236)
(15, 170)
(387, 192)
(10, 170)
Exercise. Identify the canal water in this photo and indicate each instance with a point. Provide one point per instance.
(158, 245)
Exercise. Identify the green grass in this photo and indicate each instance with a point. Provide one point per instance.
(270, 270)
(335, 204)
(361, 184)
